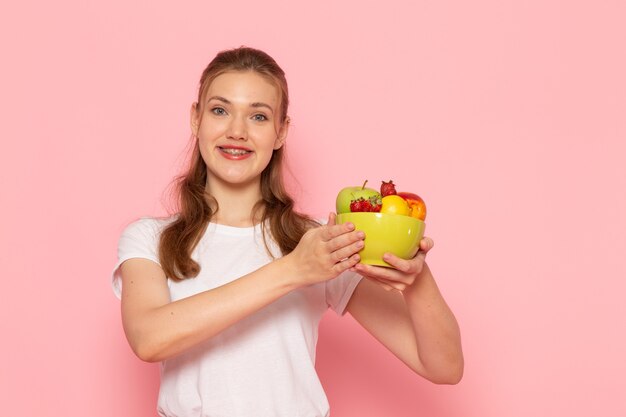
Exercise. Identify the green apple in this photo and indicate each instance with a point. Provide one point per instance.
(348, 194)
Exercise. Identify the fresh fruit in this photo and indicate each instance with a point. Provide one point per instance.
(362, 199)
(349, 194)
(359, 205)
(416, 204)
(377, 204)
(394, 204)
(387, 188)
(372, 204)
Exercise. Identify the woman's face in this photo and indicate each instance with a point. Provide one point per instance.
(238, 127)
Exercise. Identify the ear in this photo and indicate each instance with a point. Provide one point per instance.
(194, 119)
(282, 134)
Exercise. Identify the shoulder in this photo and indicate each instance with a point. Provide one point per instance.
(147, 226)
(142, 235)
(139, 239)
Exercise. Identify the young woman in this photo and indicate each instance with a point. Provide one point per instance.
(227, 293)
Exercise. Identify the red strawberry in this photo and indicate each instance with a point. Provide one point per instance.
(387, 188)
(362, 205)
(376, 203)
(359, 205)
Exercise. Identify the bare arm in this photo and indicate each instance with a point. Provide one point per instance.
(158, 329)
(405, 311)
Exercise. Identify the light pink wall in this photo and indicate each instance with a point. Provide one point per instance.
(506, 116)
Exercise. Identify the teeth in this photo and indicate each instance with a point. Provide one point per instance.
(231, 151)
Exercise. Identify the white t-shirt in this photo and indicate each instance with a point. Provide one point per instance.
(264, 365)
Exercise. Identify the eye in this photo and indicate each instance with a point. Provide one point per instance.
(218, 111)
(259, 117)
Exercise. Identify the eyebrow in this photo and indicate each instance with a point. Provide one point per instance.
(260, 104)
(256, 104)
(219, 98)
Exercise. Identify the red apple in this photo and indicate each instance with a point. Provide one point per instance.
(417, 205)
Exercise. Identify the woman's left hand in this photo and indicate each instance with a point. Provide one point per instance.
(404, 272)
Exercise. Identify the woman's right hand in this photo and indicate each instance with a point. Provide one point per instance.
(326, 251)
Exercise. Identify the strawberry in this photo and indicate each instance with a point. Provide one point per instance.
(375, 204)
(362, 205)
(359, 205)
(387, 188)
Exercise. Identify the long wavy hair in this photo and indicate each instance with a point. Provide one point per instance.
(194, 203)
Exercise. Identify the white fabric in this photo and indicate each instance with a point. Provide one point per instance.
(260, 366)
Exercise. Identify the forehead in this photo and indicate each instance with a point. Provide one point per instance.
(244, 87)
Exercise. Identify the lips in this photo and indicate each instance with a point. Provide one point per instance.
(234, 152)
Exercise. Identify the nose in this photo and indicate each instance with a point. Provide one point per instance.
(237, 129)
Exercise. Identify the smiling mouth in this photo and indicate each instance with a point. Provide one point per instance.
(234, 151)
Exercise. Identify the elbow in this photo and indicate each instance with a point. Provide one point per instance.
(148, 346)
(449, 378)
(454, 374)
(146, 351)
(147, 341)
(451, 374)
(452, 378)
(147, 356)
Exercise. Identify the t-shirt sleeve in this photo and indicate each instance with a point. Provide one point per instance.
(340, 289)
(140, 239)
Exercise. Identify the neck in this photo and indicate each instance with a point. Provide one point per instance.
(235, 202)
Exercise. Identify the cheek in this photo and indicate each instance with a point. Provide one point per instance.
(209, 128)
(269, 134)
(205, 145)
(203, 154)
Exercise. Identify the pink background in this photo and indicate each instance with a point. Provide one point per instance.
(506, 116)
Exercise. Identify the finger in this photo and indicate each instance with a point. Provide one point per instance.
(400, 264)
(426, 244)
(346, 264)
(398, 285)
(330, 232)
(345, 240)
(420, 257)
(347, 250)
(332, 219)
(382, 273)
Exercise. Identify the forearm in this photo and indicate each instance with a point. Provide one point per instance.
(174, 327)
(158, 329)
(437, 332)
